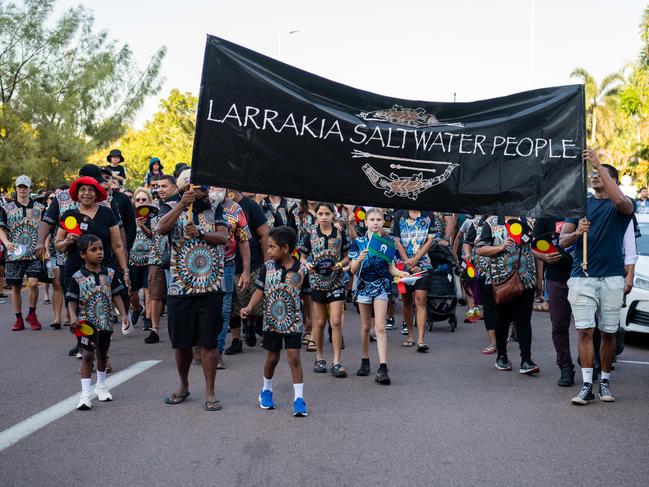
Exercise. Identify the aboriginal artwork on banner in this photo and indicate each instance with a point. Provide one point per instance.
(196, 265)
(22, 226)
(282, 297)
(266, 127)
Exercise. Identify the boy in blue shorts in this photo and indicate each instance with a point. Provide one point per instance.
(282, 283)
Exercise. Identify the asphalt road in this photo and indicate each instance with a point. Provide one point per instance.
(449, 418)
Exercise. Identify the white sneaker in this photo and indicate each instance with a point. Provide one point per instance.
(85, 402)
(127, 328)
(103, 394)
(79, 356)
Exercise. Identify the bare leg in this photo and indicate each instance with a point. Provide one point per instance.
(420, 302)
(33, 292)
(16, 298)
(407, 314)
(86, 364)
(156, 311)
(366, 325)
(294, 362)
(317, 330)
(209, 360)
(336, 320)
(184, 359)
(272, 359)
(607, 351)
(585, 347)
(102, 359)
(380, 311)
(57, 295)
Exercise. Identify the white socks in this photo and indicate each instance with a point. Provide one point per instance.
(587, 374)
(101, 377)
(606, 376)
(268, 385)
(298, 388)
(85, 385)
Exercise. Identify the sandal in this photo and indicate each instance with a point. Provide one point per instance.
(311, 346)
(305, 340)
(56, 325)
(338, 371)
(47, 301)
(489, 350)
(320, 366)
(213, 406)
(422, 347)
(177, 399)
(408, 343)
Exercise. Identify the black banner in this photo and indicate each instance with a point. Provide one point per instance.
(266, 127)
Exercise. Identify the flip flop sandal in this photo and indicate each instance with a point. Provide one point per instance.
(422, 348)
(311, 346)
(408, 343)
(177, 399)
(305, 340)
(213, 406)
(489, 350)
(55, 325)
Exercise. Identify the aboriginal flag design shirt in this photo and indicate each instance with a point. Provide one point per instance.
(21, 223)
(94, 294)
(323, 252)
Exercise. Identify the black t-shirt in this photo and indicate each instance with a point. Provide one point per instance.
(256, 218)
(100, 226)
(561, 270)
(53, 212)
(119, 170)
(125, 207)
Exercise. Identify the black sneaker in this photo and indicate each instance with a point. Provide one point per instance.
(235, 347)
(585, 395)
(503, 363)
(404, 328)
(338, 371)
(365, 368)
(135, 315)
(605, 393)
(529, 367)
(320, 366)
(146, 324)
(152, 338)
(249, 330)
(567, 378)
(389, 324)
(382, 376)
(74, 351)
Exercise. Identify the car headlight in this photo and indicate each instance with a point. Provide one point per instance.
(641, 281)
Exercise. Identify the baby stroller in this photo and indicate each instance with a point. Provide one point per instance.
(442, 297)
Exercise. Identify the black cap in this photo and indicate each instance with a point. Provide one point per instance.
(115, 153)
(92, 171)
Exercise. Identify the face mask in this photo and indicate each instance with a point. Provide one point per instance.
(217, 196)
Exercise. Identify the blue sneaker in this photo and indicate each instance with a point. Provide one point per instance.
(266, 400)
(299, 407)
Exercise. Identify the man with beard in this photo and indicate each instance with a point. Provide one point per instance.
(198, 233)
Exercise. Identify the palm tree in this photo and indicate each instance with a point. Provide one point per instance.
(597, 94)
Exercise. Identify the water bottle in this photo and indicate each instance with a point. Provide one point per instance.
(50, 268)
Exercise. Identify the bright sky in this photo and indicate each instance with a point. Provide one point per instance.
(426, 50)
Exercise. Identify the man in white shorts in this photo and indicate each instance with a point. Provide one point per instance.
(600, 289)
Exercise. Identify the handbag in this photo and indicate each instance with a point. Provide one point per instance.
(511, 288)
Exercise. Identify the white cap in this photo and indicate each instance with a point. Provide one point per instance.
(23, 181)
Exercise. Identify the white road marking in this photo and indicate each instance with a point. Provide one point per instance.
(633, 362)
(39, 420)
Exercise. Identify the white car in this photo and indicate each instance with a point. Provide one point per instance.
(634, 316)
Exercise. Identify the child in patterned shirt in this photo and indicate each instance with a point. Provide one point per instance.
(282, 283)
(92, 288)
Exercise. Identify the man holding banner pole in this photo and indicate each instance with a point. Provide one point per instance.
(600, 288)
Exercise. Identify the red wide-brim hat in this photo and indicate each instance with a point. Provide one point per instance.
(87, 181)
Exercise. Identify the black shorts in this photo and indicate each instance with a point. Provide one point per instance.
(98, 341)
(422, 284)
(195, 320)
(326, 297)
(139, 277)
(15, 271)
(272, 342)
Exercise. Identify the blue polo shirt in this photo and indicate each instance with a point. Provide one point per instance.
(605, 240)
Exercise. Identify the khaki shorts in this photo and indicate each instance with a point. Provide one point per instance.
(156, 283)
(601, 296)
(241, 298)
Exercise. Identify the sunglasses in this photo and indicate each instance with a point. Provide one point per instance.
(141, 200)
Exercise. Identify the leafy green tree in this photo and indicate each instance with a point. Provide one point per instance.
(65, 90)
(169, 136)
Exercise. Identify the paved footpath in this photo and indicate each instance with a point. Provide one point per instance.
(449, 418)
